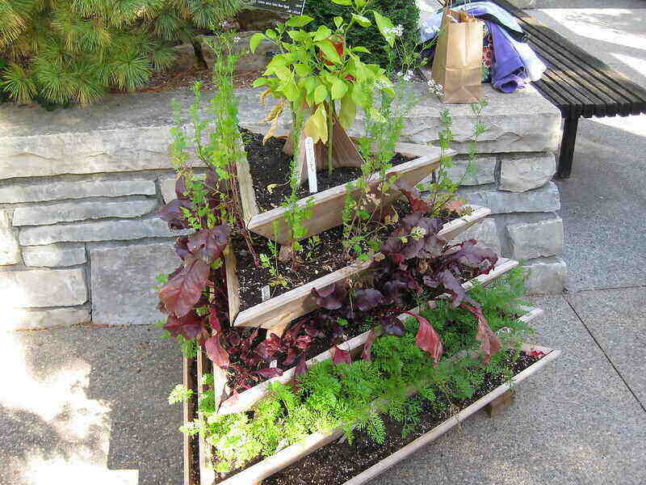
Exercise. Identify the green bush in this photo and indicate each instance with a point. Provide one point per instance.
(403, 12)
(74, 51)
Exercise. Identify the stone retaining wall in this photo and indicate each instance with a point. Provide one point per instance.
(80, 189)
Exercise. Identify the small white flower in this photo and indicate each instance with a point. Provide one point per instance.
(400, 74)
(236, 39)
(408, 76)
(435, 88)
(396, 31)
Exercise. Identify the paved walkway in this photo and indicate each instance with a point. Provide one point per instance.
(88, 405)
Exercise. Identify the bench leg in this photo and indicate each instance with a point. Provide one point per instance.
(567, 146)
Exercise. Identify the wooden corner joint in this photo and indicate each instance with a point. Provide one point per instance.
(502, 402)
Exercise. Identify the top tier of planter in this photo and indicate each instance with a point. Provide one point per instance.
(328, 204)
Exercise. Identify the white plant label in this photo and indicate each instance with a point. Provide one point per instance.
(311, 165)
(265, 293)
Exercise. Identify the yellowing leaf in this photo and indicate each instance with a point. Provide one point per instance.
(316, 125)
(348, 111)
(255, 41)
(271, 187)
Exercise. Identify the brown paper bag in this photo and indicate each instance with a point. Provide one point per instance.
(457, 64)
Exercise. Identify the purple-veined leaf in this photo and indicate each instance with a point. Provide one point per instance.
(301, 367)
(173, 213)
(428, 339)
(368, 299)
(208, 244)
(269, 347)
(332, 297)
(214, 320)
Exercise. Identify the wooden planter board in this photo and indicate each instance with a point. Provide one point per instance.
(295, 303)
(328, 204)
(286, 457)
(246, 399)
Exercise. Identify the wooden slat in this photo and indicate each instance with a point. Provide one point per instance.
(189, 416)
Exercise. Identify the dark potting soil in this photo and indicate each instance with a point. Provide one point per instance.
(316, 261)
(270, 166)
(338, 462)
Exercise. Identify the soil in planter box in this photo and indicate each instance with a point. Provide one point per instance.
(338, 462)
(270, 166)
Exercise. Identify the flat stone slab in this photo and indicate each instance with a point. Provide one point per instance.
(80, 211)
(546, 276)
(14, 193)
(536, 239)
(122, 281)
(111, 230)
(53, 255)
(132, 132)
(43, 288)
(520, 173)
(544, 199)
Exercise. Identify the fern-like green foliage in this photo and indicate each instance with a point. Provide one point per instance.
(397, 382)
(62, 51)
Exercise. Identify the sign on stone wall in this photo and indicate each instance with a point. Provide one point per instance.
(294, 7)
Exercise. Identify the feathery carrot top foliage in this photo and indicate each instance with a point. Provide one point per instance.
(61, 51)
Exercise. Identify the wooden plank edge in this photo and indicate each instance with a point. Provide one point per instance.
(188, 416)
(245, 185)
(250, 316)
(207, 474)
(439, 430)
(246, 399)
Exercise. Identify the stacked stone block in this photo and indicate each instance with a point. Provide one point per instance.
(80, 189)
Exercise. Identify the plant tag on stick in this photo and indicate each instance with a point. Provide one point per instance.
(311, 164)
(265, 293)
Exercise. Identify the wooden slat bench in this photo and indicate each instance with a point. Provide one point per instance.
(577, 83)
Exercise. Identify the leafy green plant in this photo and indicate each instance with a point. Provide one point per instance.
(317, 69)
(270, 263)
(74, 51)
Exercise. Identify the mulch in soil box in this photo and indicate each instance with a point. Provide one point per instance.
(282, 309)
(279, 462)
(328, 203)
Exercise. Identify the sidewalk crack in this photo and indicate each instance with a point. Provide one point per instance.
(605, 354)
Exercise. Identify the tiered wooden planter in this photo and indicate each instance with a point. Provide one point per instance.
(276, 313)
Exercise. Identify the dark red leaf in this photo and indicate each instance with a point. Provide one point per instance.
(269, 347)
(180, 188)
(270, 372)
(208, 244)
(214, 321)
(188, 326)
(428, 340)
(173, 213)
(415, 200)
(366, 355)
(489, 341)
(216, 352)
(301, 367)
(368, 299)
(180, 294)
(340, 356)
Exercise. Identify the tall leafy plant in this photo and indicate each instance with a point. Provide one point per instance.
(318, 71)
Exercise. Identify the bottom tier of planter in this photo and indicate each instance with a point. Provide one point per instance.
(291, 455)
